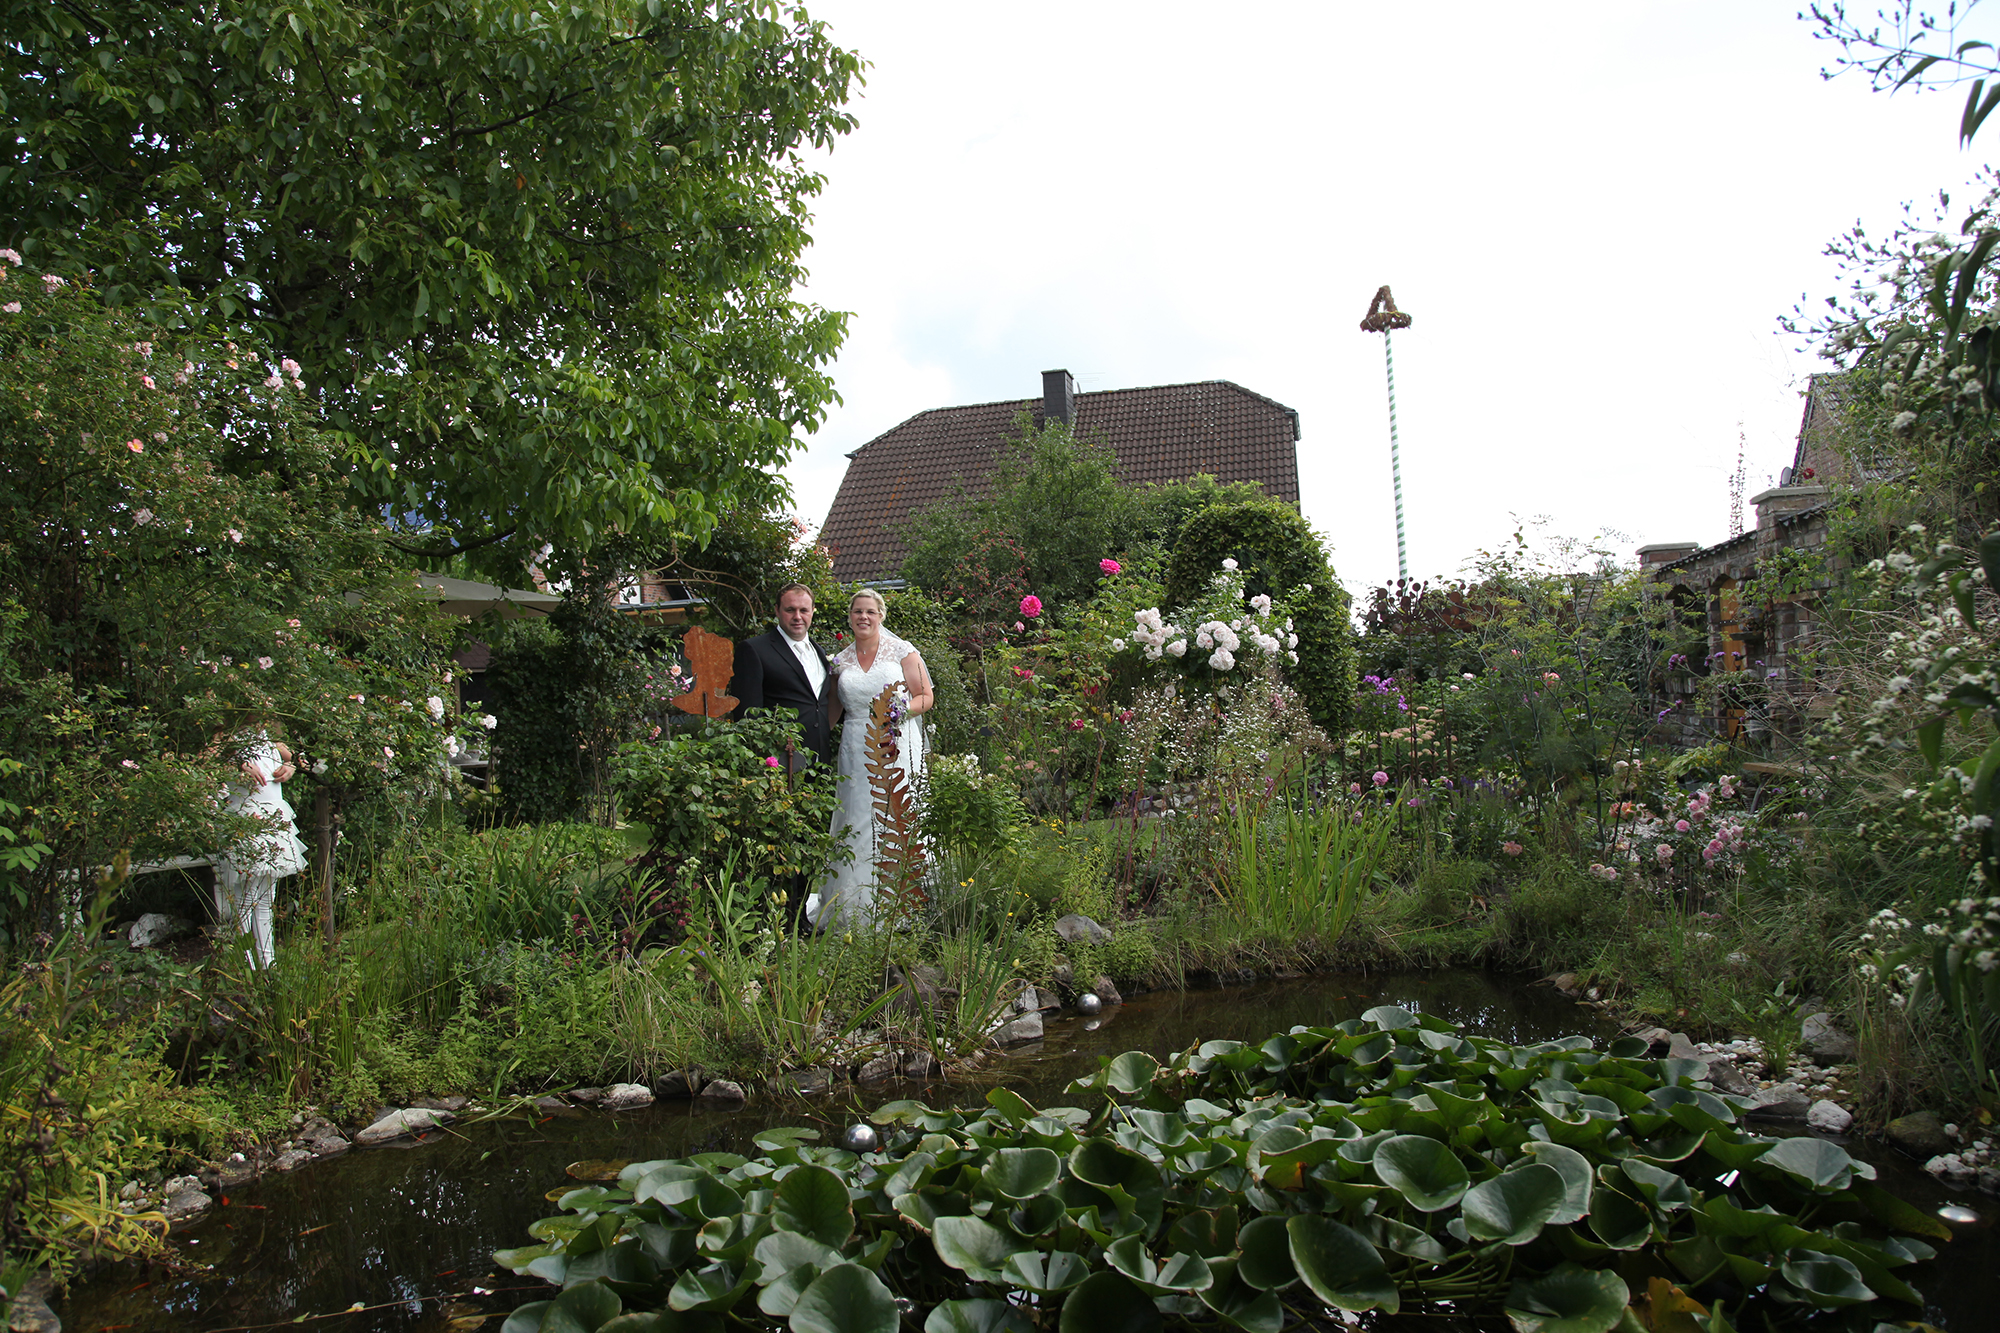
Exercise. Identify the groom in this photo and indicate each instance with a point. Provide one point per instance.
(782, 669)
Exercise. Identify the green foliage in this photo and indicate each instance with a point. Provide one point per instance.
(721, 792)
(965, 811)
(1299, 872)
(540, 264)
(748, 557)
(1281, 556)
(179, 569)
(1252, 1185)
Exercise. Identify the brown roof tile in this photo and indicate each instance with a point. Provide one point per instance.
(1160, 434)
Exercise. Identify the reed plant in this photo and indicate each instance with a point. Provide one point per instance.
(1294, 870)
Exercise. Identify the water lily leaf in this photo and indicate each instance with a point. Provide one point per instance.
(1339, 1265)
(781, 1295)
(1825, 1280)
(1132, 1072)
(1018, 1110)
(1106, 1165)
(1363, 1148)
(519, 1259)
(1240, 1303)
(715, 1287)
(1425, 1172)
(671, 1183)
(1044, 1274)
(1578, 1179)
(1206, 1233)
(812, 1200)
(1570, 1299)
(526, 1318)
(976, 1317)
(1021, 1173)
(647, 1321)
(845, 1299)
(1628, 1048)
(1620, 1222)
(1514, 1206)
(1107, 1302)
(1390, 1017)
(782, 1251)
(591, 1198)
(1663, 1189)
(1267, 1254)
(1180, 1273)
(1162, 1127)
(975, 1246)
(1365, 1048)
(1037, 1215)
(1731, 1222)
(1401, 1238)
(581, 1309)
(624, 1266)
(1815, 1161)
(914, 1173)
(1894, 1212)
(783, 1136)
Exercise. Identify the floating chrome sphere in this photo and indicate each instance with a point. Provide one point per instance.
(1093, 1025)
(1088, 1004)
(1959, 1213)
(860, 1138)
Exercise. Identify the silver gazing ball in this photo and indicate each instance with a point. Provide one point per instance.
(1959, 1213)
(1088, 1004)
(860, 1138)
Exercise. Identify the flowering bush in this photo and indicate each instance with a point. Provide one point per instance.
(1211, 637)
(178, 571)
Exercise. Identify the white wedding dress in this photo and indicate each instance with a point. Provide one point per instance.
(847, 895)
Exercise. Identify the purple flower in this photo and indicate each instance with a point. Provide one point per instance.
(1381, 779)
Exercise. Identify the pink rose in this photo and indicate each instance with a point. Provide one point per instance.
(1511, 848)
(772, 761)
(1663, 853)
(1681, 826)
(1381, 779)
(1031, 606)
(1109, 566)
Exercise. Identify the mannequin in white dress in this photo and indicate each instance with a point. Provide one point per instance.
(247, 875)
(875, 660)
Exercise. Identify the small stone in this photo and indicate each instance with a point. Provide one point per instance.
(176, 1184)
(1818, 1036)
(1028, 1027)
(396, 1124)
(722, 1095)
(1081, 929)
(881, 1067)
(324, 1140)
(185, 1203)
(156, 928)
(1027, 1001)
(30, 1312)
(677, 1085)
(1920, 1134)
(1106, 989)
(293, 1160)
(812, 1082)
(1680, 1048)
(920, 1064)
(1783, 1101)
(453, 1104)
(1828, 1117)
(1949, 1167)
(551, 1104)
(1724, 1076)
(236, 1171)
(586, 1096)
(1738, 959)
(131, 1190)
(1989, 1180)
(625, 1097)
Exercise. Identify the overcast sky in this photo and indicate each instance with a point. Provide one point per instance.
(1595, 212)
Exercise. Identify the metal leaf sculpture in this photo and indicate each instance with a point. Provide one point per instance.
(899, 855)
(712, 658)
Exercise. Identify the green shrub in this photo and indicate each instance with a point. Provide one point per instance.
(966, 811)
(1282, 556)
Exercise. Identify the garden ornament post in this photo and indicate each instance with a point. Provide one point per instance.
(712, 658)
(1382, 318)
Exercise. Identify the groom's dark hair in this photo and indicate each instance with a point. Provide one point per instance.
(795, 587)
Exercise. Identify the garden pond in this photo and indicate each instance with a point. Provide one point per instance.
(402, 1238)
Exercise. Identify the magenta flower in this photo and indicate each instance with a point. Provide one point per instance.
(1031, 606)
(1381, 779)
(1109, 565)
(772, 761)
(1353, 789)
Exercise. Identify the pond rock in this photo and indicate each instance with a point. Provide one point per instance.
(322, 1139)
(415, 1120)
(1780, 1101)
(921, 1064)
(185, 1198)
(1920, 1134)
(625, 1097)
(294, 1159)
(30, 1312)
(586, 1096)
(1028, 1027)
(453, 1104)
(155, 928)
(1076, 928)
(881, 1067)
(1105, 989)
(812, 1082)
(234, 1171)
(1823, 1040)
(551, 1104)
(722, 1095)
(1724, 1076)
(1828, 1117)
(677, 1086)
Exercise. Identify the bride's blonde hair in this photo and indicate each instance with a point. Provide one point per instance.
(881, 603)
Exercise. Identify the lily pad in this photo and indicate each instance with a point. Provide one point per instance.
(1021, 1173)
(845, 1299)
(1514, 1206)
(1339, 1265)
(1578, 1179)
(1425, 1172)
(813, 1201)
(1571, 1299)
(1107, 1302)
(975, 1246)
(976, 1317)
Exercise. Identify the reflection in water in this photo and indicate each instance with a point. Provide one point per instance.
(402, 1232)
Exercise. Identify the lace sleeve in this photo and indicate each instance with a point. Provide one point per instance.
(844, 658)
(894, 649)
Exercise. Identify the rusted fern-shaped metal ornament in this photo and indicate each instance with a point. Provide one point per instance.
(712, 658)
(899, 855)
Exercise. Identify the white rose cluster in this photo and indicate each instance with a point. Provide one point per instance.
(1155, 636)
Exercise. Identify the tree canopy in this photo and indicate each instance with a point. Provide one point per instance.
(537, 262)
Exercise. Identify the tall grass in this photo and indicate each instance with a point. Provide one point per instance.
(1296, 872)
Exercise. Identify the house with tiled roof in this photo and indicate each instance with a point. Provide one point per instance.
(1160, 434)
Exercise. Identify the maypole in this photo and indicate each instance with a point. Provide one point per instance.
(1382, 318)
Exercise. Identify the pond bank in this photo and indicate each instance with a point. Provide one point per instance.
(406, 1231)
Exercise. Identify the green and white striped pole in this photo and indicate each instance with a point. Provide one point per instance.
(1382, 318)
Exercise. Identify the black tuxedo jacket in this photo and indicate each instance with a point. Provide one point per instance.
(768, 675)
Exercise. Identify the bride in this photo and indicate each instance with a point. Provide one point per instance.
(875, 660)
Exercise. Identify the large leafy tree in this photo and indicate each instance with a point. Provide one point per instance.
(538, 260)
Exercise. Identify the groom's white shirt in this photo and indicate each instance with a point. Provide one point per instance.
(808, 659)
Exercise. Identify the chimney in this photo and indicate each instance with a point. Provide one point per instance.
(1782, 501)
(1665, 553)
(1058, 397)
